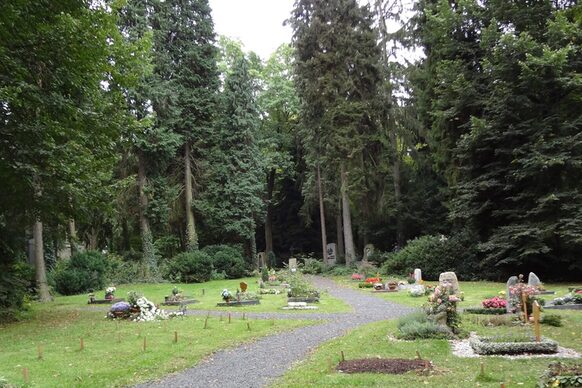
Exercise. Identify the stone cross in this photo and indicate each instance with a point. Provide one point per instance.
(533, 280)
(512, 281)
(417, 276)
(449, 280)
(331, 253)
(293, 265)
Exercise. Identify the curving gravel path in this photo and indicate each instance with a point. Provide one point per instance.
(256, 366)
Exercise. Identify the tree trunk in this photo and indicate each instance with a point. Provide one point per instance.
(43, 290)
(347, 218)
(397, 192)
(73, 236)
(269, 215)
(192, 237)
(322, 216)
(149, 256)
(92, 236)
(340, 232)
(253, 246)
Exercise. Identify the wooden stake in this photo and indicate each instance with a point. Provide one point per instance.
(524, 302)
(418, 355)
(249, 326)
(502, 385)
(203, 292)
(25, 375)
(206, 323)
(343, 356)
(118, 338)
(39, 351)
(176, 337)
(244, 317)
(482, 368)
(145, 343)
(536, 317)
(220, 317)
(228, 317)
(273, 322)
(81, 344)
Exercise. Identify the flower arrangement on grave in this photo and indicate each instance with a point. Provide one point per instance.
(417, 290)
(373, 280)
(356, 276)
(442, 308)
(226, 295)
(110, 293)
(521, 290)
(269, 291)
(570, 298)
(494, 303)
(502, 295)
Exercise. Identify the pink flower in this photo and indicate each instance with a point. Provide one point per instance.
(439, 301)
(453, 298)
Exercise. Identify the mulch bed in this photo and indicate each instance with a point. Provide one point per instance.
(383, 365)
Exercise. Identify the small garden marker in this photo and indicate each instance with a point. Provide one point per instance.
(536, 317)
(418, 355)
(249, 326)
(206, 323)
(203, 292)
(482, 368)
(228, 317)
(175, 337)
(39, 351)
(25, 375)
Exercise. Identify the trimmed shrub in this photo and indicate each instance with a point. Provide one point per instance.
(552, 320)
(312, 266)
(83, 272)
(190, 267)
(419, 326)
(227, 259)
(512, 345)
(14, 281)
(482, 310)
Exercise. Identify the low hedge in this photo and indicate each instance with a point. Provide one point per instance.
(491, 345)
(482, 310)
(561, 374)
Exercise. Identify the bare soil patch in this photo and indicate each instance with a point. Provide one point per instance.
(383, 365)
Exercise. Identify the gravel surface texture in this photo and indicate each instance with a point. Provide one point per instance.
(256, 364)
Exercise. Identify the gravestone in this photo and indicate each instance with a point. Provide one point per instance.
(512, 281)
(293, 265)
(368, 251)
(533, 280)
(261, 259)
(243, 286)
(449, 280)
(417, 276)
(331, 254)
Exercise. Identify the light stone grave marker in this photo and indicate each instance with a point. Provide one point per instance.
(449, 280)
(331, 253)
(293, 265)
(417, 276)
(512, 281)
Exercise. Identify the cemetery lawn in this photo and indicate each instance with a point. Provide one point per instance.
(113, 352)
(372, 341)
(208, 295)
(474, 292)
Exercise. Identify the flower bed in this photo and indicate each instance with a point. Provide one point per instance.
(512, 345)
(561, 374)
(494, 303)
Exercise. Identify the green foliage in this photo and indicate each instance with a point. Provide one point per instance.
(487, 311)
(312, 266)
(264, 274)
(14, 281)
(340, 270)
(190, 267)
(299, 287)
(561, 374)
(227, 259)
(552, 320)
(83, 272)
(434, 254)
(418, 326)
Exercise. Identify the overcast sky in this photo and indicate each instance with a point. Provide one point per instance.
(257, 23)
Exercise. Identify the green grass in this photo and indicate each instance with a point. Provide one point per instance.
(113, 353)
(474, 292)
(372, 341)
(208, 295)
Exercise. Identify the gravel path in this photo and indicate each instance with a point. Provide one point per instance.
(256, 364)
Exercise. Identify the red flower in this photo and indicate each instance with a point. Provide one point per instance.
(374, 280)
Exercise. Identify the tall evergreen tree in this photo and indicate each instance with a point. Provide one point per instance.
(337, 77)
(186, 85)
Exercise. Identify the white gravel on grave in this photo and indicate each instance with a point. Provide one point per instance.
(462, 348)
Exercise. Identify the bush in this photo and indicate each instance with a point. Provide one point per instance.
(83, 272)
(227, 259)
(419, 326)
(560, 374)
(264, 274)
(14, 281)
(340, 270)
(483, 310)
(190, 267)
(552, 320)
(434, 254)
(312, 266)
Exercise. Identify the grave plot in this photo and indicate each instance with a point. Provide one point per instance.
(177, 298)
(241, 298)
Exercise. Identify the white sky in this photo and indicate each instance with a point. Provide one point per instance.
(256, 23)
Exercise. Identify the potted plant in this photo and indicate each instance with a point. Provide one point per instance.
(226, 295)
(110, 293)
